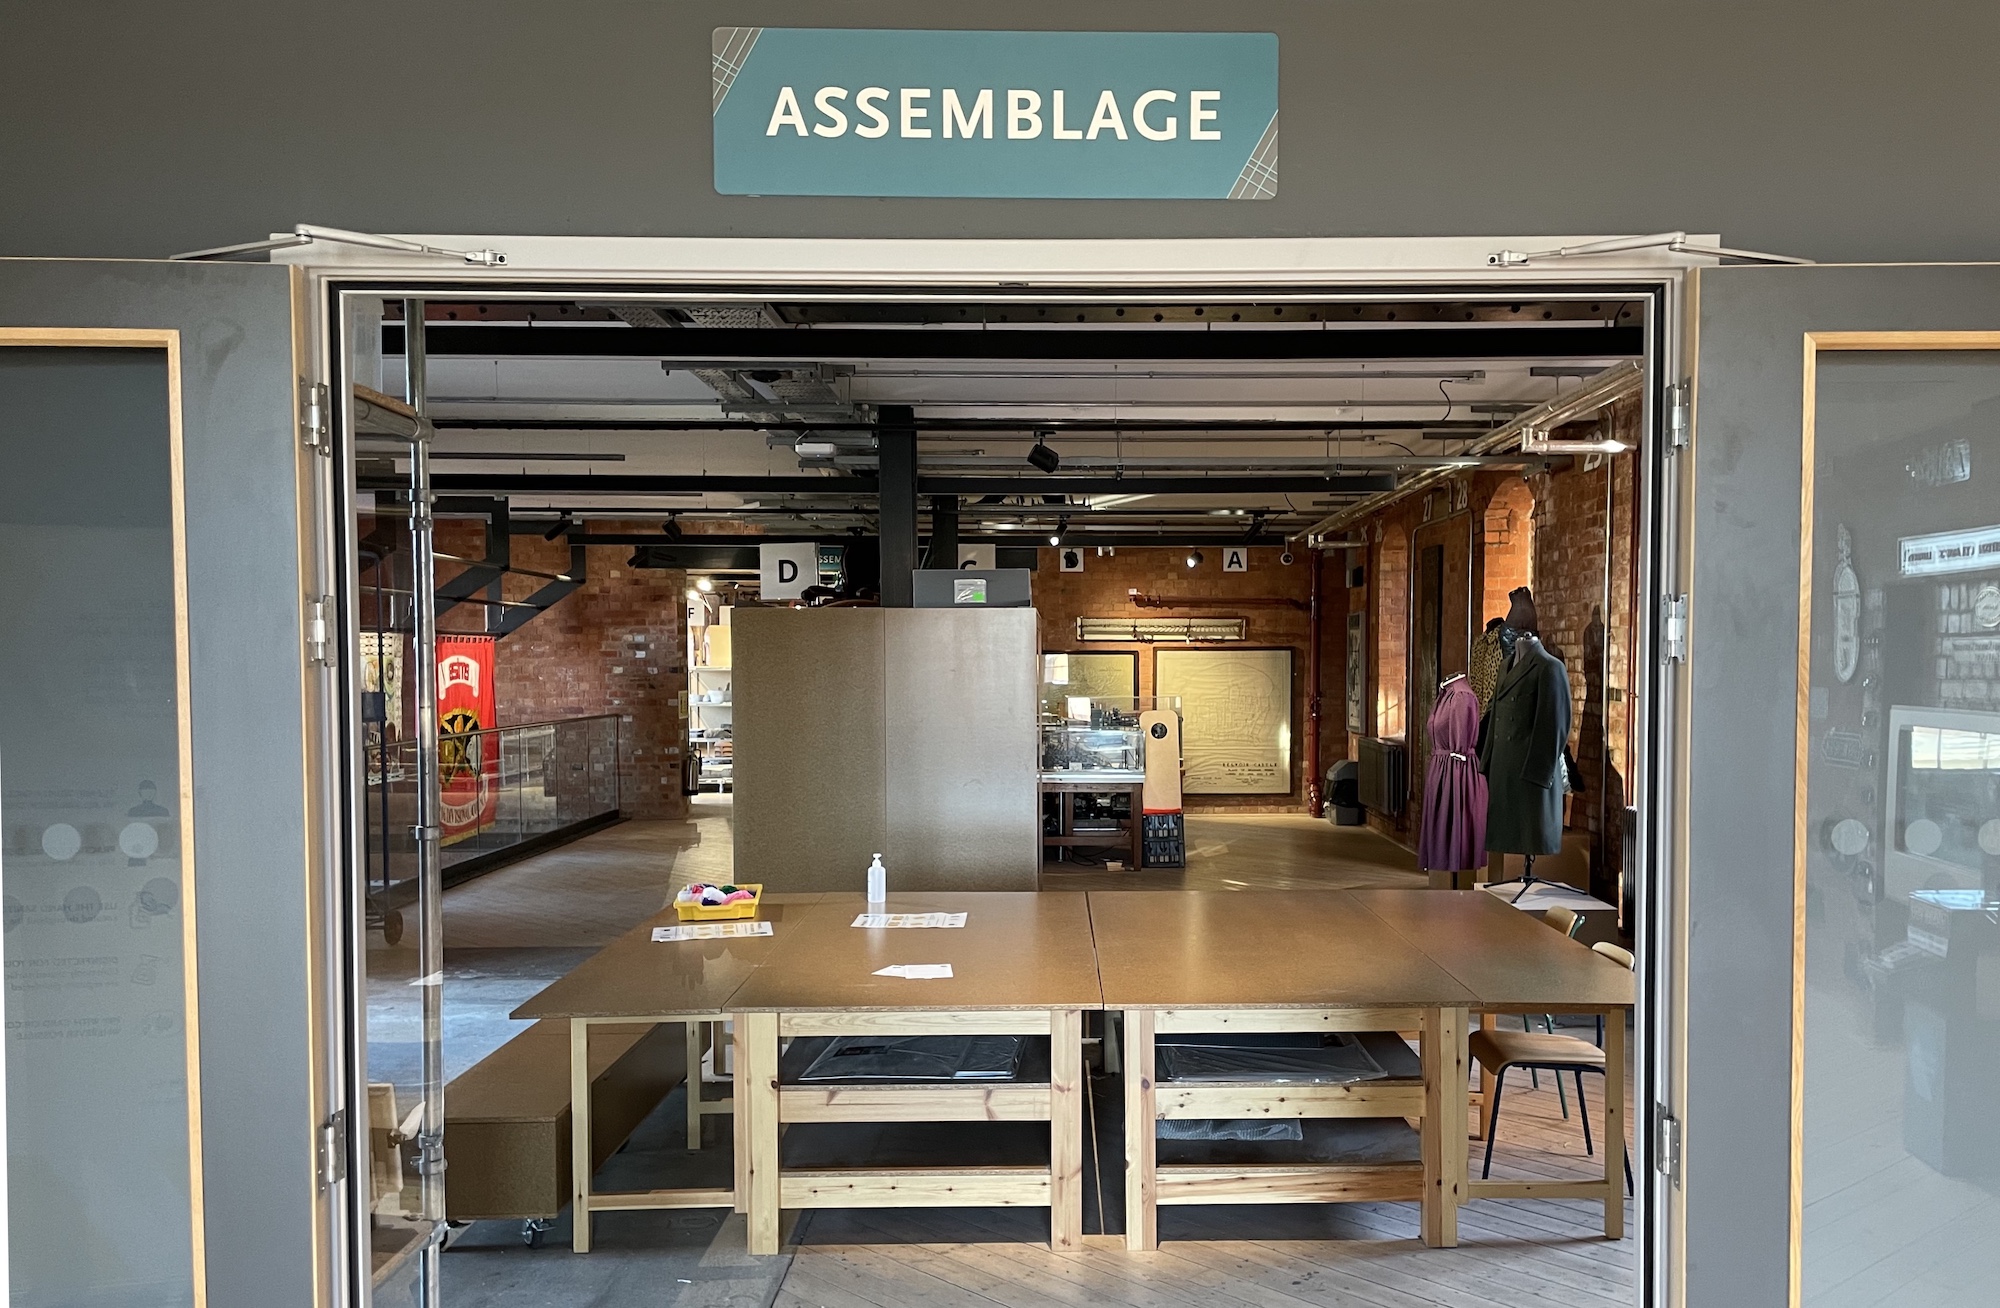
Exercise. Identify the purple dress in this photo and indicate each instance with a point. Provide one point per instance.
(1453, 836)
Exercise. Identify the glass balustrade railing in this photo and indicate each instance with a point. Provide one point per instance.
(502, 788)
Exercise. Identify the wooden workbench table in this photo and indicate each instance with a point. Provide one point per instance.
(1268, 962)
(1514, 963)
(638, 979)
(1021, 965)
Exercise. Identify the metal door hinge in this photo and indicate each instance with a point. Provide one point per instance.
(430, 1153)
(319, 615)
(1667, 1144)
(1674, 628)
(333, 1150)
(1680, 415)
(312, 420)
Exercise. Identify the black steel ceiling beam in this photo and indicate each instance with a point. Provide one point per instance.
(1025, 426)
(836, 344)
(623, 484)
(1279, 484)
(629, 484)
(717, 558)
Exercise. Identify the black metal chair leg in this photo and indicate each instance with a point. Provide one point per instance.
(1629, 1187)
(1493, 1121)
(1583, 1113)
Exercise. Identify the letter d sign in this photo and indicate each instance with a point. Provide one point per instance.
(784, 571)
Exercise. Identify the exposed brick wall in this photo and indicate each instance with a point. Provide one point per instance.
(1554, 533)
(1389, 583)
(617, 645)
(1507, 537)
(1102, 590)
(1585, 537)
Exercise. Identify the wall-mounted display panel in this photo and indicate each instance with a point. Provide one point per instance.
(1236, 718)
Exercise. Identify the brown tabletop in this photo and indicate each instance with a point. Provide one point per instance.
(1016, 950)
(1511, 961)
(636, 976)
(1259, 949)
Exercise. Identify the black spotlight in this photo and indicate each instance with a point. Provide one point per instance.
(1194, 558)
(563, 524)
(671, 528)
(1041, 456)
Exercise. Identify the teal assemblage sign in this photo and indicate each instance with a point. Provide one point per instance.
(1054, 115)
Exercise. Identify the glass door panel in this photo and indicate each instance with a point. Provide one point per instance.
(396, 854)
(100, 1054)
(1901, 895)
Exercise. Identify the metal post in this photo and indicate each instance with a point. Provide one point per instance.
(1315, 801)
(426, 834)
(944, 532)
(896, 445)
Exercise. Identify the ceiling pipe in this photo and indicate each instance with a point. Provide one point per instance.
(1214, 602)
(1609, 387)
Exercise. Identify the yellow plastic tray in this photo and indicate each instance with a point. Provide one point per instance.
(742, 908)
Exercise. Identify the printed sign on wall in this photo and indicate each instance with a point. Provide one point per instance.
(468, 755)
(1053, 115)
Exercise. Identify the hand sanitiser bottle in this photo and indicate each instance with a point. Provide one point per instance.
(878, 882)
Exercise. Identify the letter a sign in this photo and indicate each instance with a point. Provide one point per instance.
(784, 571)
(1236, 559)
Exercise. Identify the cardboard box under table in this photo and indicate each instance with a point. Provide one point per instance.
(1282, 963)
(1515, 964)
(1021, 966)
(638, 979)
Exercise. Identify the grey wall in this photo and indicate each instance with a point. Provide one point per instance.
(1836, 129)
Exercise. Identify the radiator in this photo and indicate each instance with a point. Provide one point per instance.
(1384, 780)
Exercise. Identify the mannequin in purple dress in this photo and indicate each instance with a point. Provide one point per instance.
(1453, 836)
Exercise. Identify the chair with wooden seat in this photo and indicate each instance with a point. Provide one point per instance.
(1569, 922)
(1499, 1052)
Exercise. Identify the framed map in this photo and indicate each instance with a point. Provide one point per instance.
(1236, 718)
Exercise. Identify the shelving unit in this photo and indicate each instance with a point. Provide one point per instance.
(711, 736)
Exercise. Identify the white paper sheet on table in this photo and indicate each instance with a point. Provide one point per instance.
(917, 971)
(711, 930)
(910, 920)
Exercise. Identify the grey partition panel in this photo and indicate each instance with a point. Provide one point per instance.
(255, 851)
(964, 798)
(1744, 595)
(810, 755)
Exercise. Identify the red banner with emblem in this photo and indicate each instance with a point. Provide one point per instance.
(468, 751)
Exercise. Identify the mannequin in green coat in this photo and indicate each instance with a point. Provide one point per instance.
(1521, 752)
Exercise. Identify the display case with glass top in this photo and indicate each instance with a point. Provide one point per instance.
(1096, 739)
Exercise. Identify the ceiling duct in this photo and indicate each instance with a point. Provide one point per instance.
(1614, 384)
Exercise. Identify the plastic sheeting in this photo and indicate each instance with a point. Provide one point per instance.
(917, 1058)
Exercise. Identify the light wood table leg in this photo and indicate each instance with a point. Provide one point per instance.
(1142, 1230)
(693, 1030)
(579, 1134)
(758, 1068)
(1487, 1022)
(1445, 1108)
(739, 1133)
(1066, 1107)
(1614, 1125)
